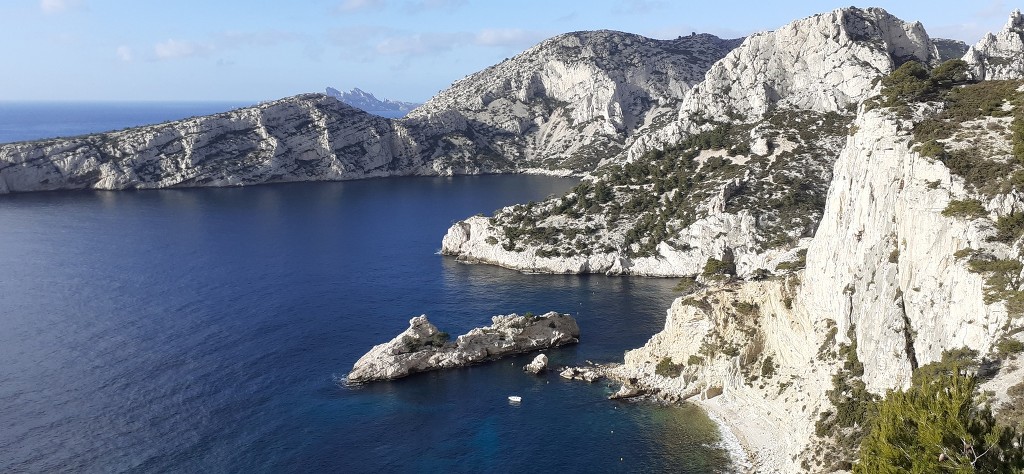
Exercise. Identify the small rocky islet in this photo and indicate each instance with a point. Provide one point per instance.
(422, 347)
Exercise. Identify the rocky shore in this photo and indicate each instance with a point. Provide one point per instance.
(422, 347)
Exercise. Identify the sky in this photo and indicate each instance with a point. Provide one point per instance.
(256, 50)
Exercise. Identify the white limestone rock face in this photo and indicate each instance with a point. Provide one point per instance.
(721, 350)
(826, 63)
(476, 240)
(573, 101)
(1000, 56)
(303, 138)
(883, 259)
(422, 347)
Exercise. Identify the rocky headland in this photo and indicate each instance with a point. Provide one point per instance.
(565, 106)
(422, 347)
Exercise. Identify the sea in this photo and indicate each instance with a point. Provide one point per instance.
(209, 330)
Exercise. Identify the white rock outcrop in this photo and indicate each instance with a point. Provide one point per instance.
(422, 347)
(826, 63)
(537, 365)
(999, 55)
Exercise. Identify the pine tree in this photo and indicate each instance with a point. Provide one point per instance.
(938, 425)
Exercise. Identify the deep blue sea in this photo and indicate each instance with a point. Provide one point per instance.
(21, 121)
(203, 330)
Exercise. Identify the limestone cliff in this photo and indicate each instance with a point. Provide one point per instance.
(823, 63)
(915, 255)
(303, 138)
(573, 101)
(563, 106)
(751, 157)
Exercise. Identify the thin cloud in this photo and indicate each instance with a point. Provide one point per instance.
(509, 37)
(421, 5)
(639, 7)
(125, 53)
(989, 18)
(263, 38)
(59, 6)
(351, 6)
(177, 49)
(420, 44)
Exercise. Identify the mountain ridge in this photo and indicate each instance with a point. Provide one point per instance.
(367, 102)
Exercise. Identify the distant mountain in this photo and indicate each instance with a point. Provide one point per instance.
(365, 101)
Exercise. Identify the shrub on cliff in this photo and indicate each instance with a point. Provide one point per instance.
(939, 425)
(667, 368)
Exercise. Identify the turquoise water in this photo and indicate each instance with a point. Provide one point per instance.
(202, 330)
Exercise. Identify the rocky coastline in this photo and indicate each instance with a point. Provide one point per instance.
(422, 347)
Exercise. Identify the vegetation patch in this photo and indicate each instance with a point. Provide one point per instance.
(1002, 280)
(843, 427)
(634, 208)
(667, 368)
(965, 209)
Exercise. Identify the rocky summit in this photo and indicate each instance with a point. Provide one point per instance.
(422, 347)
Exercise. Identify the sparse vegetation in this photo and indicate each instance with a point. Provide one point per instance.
(844, 425)
(794, 265)
(768, 367)
(715, 269)
(667, 368)
(687, 285)
(965, 209)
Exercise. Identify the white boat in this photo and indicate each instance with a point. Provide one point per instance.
(515, 398)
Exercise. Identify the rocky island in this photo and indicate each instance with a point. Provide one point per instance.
(422, 347)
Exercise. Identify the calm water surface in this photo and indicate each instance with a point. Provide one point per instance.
(202, 330)
(21, 121)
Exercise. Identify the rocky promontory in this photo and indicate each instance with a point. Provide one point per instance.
(422, 347)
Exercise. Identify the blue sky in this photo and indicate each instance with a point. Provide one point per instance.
(255, 50)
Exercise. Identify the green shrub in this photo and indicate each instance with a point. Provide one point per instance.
(715, 268)
(687, 285)
(667, 368)
(794, 265)
(1008, 346)
(695, 360)
(746, 309)
(932, 149)
(939, 425)
(768, 367)
(950, 73)
(1009, 228)
(894, 256)
(908, 83)
(967, 208)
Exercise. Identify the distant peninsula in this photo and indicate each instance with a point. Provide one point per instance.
(366, 102)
